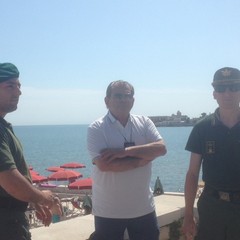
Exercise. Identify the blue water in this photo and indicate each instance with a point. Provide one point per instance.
(46, 146)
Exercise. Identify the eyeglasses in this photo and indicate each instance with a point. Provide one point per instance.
(121, 96)
(223, 88)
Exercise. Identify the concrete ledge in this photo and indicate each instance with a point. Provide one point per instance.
(169, 207)
(77, 228)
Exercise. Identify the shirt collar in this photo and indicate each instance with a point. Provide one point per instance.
(216, 118)
(113, 119)
(5, 123)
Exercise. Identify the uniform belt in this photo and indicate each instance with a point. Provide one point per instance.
(13, 204)
(228, 196)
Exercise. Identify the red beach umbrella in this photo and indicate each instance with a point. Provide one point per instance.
(54, 169)
(38, 178)
(32, 172)
(85, 183)
(64, 175)
(73, 165)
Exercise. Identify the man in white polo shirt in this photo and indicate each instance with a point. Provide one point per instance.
(122, 147)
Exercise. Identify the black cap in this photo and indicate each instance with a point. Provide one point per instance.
(8, 71)
(226, 75)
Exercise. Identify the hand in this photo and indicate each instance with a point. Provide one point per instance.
(189, 227)
(49, 198)
(109, 155)
(44, 214)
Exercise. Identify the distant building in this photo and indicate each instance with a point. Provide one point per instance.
(175, 120)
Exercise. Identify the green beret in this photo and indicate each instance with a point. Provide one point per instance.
(8, 71)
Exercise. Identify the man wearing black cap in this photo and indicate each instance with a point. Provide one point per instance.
(214, 143)
(16, 189)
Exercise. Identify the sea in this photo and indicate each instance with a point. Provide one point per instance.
(53, 145)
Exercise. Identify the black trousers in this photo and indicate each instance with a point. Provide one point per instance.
(140, 228)
(218, 219)
(14, 225)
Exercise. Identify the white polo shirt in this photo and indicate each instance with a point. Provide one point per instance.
(121, 194)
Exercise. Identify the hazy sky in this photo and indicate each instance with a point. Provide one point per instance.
(69, 51)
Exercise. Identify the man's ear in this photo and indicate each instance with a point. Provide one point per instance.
(106, 100)
(214, 94)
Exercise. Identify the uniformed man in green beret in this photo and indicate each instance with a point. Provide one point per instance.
(16, 189)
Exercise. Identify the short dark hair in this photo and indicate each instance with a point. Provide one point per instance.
(118, 82)
(8, 71)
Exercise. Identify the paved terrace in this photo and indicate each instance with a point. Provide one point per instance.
(169, 207)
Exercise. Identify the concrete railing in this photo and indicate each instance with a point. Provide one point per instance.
(169, 208)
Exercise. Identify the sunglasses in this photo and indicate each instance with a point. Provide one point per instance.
(122, 96)
(223, 88)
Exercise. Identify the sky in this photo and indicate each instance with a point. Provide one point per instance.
(68, 52)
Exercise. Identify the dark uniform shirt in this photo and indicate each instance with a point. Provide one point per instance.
(11, 154)
(219, 147)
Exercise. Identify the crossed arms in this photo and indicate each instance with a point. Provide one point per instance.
(123, 159)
